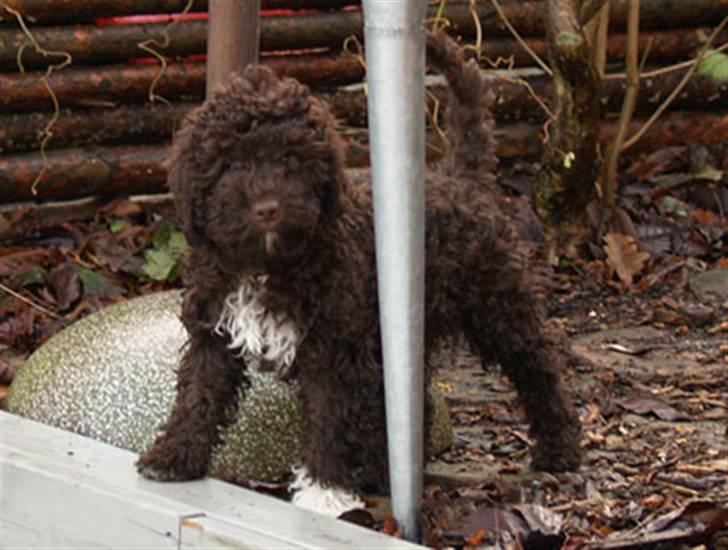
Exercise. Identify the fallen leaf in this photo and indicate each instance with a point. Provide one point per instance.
(96, 283)
(624, 256)
(476, 539)
(66, 284)
(16, 260)
(358, 517)
(20, 328)
(519, 522)
(7, 371)
(390, 526)
(647, 405)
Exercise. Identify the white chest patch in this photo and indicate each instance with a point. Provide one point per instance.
(256, 333)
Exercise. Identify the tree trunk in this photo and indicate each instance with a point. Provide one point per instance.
(232, 40)
(109, 85)
(566, 183)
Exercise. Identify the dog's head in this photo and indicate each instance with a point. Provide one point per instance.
(256, 171)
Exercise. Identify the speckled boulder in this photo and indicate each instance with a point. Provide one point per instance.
(111, 376)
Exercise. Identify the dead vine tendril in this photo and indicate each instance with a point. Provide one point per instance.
(47, 133)
(147, 46)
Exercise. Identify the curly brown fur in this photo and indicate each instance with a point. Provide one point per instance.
(257, 174)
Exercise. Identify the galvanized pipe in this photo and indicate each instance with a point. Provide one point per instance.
(395, 54)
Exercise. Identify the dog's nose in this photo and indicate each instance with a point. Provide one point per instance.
(267, 211)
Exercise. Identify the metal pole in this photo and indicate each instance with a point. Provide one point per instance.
(395, 54)
(232, 40)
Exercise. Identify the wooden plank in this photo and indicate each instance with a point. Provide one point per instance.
(63, 490)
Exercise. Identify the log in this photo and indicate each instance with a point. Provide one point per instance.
(100, 44)
(147, 123)
(76, 173)
(566, 182)
(102, 86)
(49, 12)
(117, 43)
(114, 43)
(514, 102)
(528, 17)
(664, 46)
(131, 124)
(83, 87)
(124, 170)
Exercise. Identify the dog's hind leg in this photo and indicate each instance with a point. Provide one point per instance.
(508, 326)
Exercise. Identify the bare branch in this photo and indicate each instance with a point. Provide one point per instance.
(688, 75)
(628, 105)
(588, 9)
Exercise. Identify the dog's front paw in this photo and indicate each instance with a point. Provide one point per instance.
(167, 461)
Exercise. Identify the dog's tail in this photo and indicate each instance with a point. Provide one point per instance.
(469, 124)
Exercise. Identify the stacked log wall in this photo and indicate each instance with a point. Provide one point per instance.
(108, 138)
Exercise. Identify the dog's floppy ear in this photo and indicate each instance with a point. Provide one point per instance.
(188, 189)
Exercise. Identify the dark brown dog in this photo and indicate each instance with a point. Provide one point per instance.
(282, 275)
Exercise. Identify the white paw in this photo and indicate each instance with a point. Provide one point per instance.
(311, 495)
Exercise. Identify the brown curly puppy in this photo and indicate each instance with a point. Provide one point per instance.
(282, 276)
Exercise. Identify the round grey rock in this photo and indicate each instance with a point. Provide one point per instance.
(111, 376)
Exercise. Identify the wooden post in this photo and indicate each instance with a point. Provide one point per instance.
(232, 40)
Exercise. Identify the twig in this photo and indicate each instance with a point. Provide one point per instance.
(433, 116)
(517, 80)
(688, 75)
(146, 45)
(599, 54)
(665, 70)
(439, 17)
(68, 59)
(31, 303)
(588, 9)
(520, 40)
(628, 105)
(679, 489)
(646, 53)
(478, 29)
